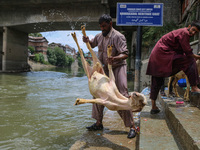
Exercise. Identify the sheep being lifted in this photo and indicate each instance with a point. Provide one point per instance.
(103, 88)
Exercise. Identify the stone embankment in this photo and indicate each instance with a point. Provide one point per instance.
(38, 66)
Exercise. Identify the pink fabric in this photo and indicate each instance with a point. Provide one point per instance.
(171, 46)
(114, 38)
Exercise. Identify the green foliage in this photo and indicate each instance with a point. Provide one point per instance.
(69, 60)
(78, 54)
(31, 49)
(79, 59)
(51, 56)
(61, 57)
(35, 34)
(46, 63)
(58, 57)
(79, 62)
(152, 34)
(89, 61)
(36, 58)
(39, 58)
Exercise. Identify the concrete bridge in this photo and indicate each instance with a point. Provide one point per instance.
(19, 18)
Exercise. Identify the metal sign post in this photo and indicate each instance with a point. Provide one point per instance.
(139, 14)
(138, 59)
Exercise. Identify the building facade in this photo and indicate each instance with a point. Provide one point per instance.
(39, 43)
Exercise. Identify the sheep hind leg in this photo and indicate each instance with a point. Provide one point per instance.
(83, 101)
(169, 83)
(187, 91)
(174, 87)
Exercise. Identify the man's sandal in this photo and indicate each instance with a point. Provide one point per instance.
(155, 111)
(95, 127)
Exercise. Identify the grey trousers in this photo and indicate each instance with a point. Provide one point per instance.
(120, 74)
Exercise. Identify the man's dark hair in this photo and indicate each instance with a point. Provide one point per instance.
(105, 18)
(196, 24)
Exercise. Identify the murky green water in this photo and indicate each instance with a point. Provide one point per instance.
(37, 111)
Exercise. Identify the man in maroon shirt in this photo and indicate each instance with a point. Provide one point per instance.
(171, 54)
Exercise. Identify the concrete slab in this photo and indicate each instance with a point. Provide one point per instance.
(154, 131)
(194, 98)
(113, 137)
(175, 127)
(185, 121)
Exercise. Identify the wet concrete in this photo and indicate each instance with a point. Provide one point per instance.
(194, 98)
(155, 134)
(184, 120)
(113, 137)
(176, 127)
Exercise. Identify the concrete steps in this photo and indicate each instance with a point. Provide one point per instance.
(154, 131)
(185, 122)
(175, 127)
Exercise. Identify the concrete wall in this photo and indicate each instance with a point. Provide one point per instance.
(171, 9)
(195, 46)
(15, 48)
(145, 80)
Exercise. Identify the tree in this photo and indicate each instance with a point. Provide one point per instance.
(35, 34)
(51, 56)
(152, 34)
(61, 57)
(31, 49)
(41, 57)
(36, 58)
(89, 61)
(69, 60)
(79, 59)
(58, 57)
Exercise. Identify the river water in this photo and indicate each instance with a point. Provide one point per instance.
(37, 109)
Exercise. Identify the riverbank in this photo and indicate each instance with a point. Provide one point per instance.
(38, 66)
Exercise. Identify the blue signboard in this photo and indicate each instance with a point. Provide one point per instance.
(139, 14)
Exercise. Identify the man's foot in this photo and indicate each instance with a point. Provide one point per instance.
(95, 127)
(163, 94)
(131, 134)
(154, 111)
(195, 89)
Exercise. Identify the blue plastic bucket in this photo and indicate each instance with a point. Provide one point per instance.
(182, 83)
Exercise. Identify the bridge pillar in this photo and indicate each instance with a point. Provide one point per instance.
(1, 49)
(15, 50)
